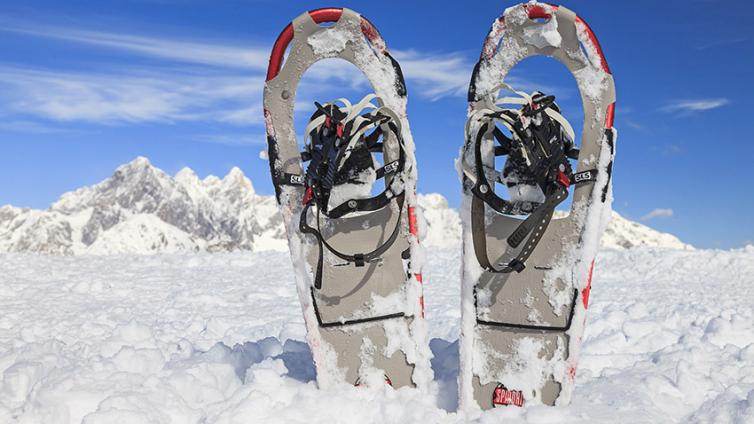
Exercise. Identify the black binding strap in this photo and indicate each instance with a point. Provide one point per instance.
(610, 138)
(382, 199)
(531, 327)
(535, 224)
(329, 156)
(533, 227)
(350, 321)
(359, 259)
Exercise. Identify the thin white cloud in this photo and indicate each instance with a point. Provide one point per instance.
(436, 75)
(658, 213)
(697, 105)
(197, 52)
(132, 97)
(722, 42)
(33, 127)
(242, 140)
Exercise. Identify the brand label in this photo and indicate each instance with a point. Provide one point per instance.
(503, 396)
(583, 176)
(391, 167)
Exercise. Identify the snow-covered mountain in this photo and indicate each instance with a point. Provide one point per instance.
(141, 209)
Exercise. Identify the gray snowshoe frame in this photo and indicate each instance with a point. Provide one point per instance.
(543, 260)
(347, 312)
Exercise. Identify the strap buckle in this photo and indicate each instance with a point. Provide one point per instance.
(308, 196)
(517, 265)
(563, 179)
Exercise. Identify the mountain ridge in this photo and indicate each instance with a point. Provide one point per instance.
(142, 209)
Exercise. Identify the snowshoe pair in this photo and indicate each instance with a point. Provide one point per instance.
(356, 254)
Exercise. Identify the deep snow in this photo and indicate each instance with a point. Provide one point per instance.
(218, 338)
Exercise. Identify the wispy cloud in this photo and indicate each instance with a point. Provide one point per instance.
(633, 124)
(658, 213)
(130, 97)
(233, 139)
(188, 51)
(695, 105)
(436, 75)
(33, 127)
(722, 42)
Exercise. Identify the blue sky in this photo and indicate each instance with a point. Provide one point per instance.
(88, 85)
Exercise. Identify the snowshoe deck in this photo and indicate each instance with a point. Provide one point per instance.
(525, 293)
(363, 312)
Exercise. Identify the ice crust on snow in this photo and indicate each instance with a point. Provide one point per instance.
(219, 338)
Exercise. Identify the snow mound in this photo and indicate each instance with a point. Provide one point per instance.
(220, 339)
(443, 224)
(622, 233)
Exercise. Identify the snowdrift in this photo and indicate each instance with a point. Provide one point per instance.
(220, 339)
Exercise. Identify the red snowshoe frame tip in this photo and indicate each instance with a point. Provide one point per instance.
(327, 14)
(544, 11)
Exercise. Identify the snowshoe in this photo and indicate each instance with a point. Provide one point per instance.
(353, 251)
(526, 273)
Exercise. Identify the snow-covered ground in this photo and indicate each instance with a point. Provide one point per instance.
(218, 338)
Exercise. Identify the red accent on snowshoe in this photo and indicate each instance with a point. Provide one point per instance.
(540, 11)
(328, 122)
(329, 14)
(339, 129)
(572, 373)
(278, 50)
(308, 196)
(610, 116)
(413, 228)
(563, 179)
(371, 33)
(503, 396)
(359, 384)
(537, 11)
(596, 43)
(588, 288)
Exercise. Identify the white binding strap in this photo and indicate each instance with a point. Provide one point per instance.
(354, 113)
